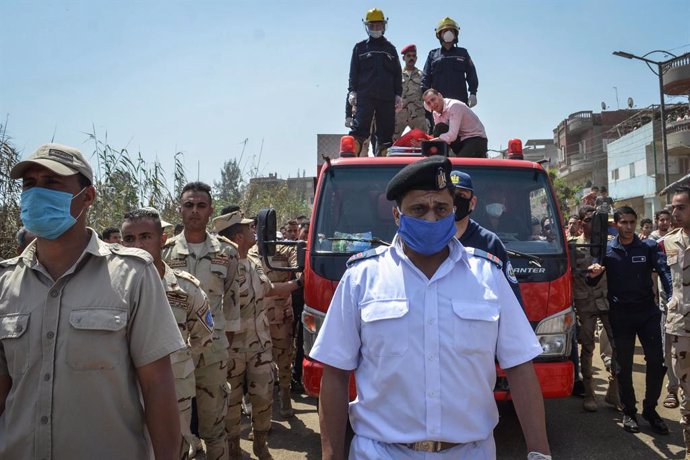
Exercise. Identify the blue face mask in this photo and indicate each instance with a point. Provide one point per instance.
(46, 213)
(426, 237)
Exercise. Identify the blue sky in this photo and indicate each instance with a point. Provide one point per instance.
(202, 76)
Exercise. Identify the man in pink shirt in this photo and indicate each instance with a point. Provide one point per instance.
(457, 125)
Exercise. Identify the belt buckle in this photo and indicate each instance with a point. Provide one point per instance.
(425, 446)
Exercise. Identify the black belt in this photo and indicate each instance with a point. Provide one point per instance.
(430, 446)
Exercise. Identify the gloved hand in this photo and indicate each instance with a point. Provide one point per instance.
(348, 122)
(538, 456)
(352, 98)
(472, 100)
(398, 103)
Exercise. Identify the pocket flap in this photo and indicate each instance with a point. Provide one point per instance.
(477, 311)
(387, 309)
(13, 326)
(98, 319)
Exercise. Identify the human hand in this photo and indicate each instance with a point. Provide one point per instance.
(472, 100)
(398, 103)
(352, 98)
(595, 270)
(348, 122)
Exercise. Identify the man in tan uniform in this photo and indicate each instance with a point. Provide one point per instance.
(590, 304)
(280, 319)
(143, 229)
(250, 349)
(214, 263)
(677, 247)
(412, 113)
(85, 331)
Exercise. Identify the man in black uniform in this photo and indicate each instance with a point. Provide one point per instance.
(449, 69)
(629, 262)
(375, 85)
(473, 235)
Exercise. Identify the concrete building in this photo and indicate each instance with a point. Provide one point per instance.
(541, 151)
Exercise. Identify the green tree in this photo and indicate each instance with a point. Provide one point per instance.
(230, 188)
(565, 194)
(287, 203)
(10, 191)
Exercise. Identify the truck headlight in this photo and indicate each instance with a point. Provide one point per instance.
(555, 334)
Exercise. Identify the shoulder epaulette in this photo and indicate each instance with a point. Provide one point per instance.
(673, 232)
(170, 242)
(227, 241)
(187, 276)
(365, 255)
(131, 252)
(486, 255)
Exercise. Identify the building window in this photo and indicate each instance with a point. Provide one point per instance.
(614, 174)
(632, 170)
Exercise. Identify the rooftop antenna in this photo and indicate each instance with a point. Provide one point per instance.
(618, 105)
(603, 105)
(631, 103)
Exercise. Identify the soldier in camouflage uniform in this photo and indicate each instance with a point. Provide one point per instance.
(590, 304)
(677, 247)
(412, 113)
(214, 263)
(142, 229)
(280, 318)
(250, 348)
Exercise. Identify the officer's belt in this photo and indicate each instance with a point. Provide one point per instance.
(430, 446)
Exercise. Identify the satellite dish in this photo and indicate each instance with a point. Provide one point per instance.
(603, 105)
(631, 103)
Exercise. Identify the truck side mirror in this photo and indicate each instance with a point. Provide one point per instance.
(266, 231)
(600, 234)
(301, 254)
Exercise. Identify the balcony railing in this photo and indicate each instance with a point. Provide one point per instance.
(677, 76)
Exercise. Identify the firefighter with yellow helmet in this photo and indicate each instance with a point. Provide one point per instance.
(375, 83)
(449, 69)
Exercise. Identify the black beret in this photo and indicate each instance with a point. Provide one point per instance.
(432, 173)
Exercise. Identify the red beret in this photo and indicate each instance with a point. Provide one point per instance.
(408, 48)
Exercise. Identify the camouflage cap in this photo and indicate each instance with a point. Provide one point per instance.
(61, 159)
(220, 223)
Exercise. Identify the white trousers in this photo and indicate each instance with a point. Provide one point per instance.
(368, 449)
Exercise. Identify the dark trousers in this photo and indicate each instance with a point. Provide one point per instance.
(641, 321)
(472, 147)
(384, 114)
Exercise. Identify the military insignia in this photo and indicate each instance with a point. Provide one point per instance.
(177, 299)
(365, 255)
(639, 259)
(486, 255)
(61, 155)
(221, 259)
(209, 319)
(177, 263)
(441, 179)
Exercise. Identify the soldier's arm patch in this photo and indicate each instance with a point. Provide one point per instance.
(208, 319)
(486, 255)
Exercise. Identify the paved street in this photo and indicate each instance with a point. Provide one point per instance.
(573, 434)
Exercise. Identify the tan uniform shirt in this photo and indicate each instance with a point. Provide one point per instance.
(277, 307)
(412, 90)
(254, 334)
(216, 268)
(677, 249)
(71, 348)
(193, 315)
(589, 298)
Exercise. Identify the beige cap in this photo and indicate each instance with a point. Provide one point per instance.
(220, 223)
(60, 159)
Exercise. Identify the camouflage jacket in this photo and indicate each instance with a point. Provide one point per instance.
(589, 298)
(677, 248)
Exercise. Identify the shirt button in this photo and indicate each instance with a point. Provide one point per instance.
(431, 321)
(50, 334)
(46, 377)
(19, 328)
(44, 419)
(53, 293)
(432, 357)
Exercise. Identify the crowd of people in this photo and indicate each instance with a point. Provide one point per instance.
(196, 318)
(636, 290)
(435, 103)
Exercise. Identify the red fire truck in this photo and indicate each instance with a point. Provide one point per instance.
(351, 214)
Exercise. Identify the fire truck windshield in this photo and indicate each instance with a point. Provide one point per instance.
(354, 215)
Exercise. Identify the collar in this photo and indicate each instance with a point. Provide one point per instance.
(94, 247)
(169, 278)
(616, 243)
(211, 243)
(457, 250)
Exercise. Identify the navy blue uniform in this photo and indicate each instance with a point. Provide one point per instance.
(376, 77)
(450, 72)
(476, 236)
(634, 313)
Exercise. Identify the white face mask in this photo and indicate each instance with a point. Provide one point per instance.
(376, 33)
(448, 36)
(495, 209)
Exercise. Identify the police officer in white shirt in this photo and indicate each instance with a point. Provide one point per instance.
(421, 323)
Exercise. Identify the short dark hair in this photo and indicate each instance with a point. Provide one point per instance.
(179, 228)
(141, 214)
(646, 220)
(201, 187)
(660, 212)
(109, 231)
(584, 210)
(430, 91)
(682, 189)
(618, 212)
(594, 187)
(604, 189)
(83, 180)
(291, 222)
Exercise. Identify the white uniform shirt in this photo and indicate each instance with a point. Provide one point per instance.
(424, 350)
